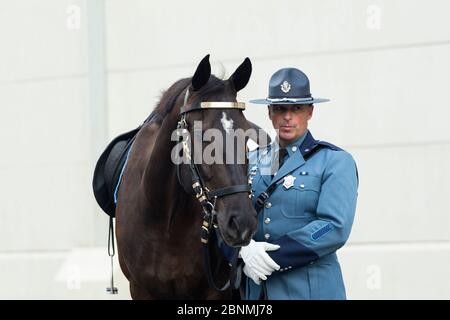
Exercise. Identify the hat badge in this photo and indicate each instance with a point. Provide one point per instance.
(285, 87)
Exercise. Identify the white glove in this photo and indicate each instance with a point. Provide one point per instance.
(252, 275)
(257, 261)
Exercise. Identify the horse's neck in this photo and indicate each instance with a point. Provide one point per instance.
(161, 187)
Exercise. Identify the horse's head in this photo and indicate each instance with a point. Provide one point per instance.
(216, 127)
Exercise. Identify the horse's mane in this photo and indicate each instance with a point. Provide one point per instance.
(170, 96)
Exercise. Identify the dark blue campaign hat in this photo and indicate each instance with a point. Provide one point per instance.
(289, 86)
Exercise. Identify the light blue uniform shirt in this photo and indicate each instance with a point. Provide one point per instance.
(309, 214)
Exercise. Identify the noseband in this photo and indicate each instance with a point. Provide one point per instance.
(206, 197)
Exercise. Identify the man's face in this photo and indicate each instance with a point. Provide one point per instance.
(291, 120)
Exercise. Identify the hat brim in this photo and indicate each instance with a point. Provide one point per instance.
(266, 101)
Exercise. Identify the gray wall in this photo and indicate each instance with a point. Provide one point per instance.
(67, 89)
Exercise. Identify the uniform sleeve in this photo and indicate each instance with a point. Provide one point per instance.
(335, 214)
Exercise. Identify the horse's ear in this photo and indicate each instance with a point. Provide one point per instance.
(201, 75)
(242, 74)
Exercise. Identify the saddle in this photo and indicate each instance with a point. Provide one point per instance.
(107, 173)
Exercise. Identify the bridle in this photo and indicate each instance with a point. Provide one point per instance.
(204, 195)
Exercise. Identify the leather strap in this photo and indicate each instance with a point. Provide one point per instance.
(261, 199)
(229, 190)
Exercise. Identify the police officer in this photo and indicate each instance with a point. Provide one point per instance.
(305, 192)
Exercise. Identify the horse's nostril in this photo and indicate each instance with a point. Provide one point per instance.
(233, 226)
(238, 229)
(245, 235)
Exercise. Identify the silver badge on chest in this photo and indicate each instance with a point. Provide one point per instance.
(289, 181)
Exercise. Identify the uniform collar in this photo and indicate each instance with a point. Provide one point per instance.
(296, 150)
(295, 145)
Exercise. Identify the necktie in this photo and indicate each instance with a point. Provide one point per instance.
(282, 156)
(279, 160)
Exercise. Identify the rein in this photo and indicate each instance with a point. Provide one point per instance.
(207, 198)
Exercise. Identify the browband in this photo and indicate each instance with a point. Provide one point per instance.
(211, 105)
(214, 105)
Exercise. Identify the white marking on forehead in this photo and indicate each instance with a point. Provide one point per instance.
(226, 124)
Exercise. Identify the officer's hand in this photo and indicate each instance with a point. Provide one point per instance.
(252, 275)
(256, 258)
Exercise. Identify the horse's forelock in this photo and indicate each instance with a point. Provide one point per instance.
(215, 86)
(218, 69)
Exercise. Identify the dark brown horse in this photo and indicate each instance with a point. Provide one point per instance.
(158, 223)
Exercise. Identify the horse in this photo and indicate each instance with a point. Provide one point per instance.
(160, 204)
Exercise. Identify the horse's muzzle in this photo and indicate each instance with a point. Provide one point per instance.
(239, 229)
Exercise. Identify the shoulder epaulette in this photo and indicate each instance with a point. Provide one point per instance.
(329, 145)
